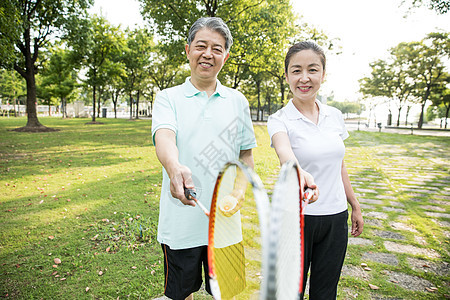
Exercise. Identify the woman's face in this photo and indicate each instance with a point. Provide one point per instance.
(305, 74)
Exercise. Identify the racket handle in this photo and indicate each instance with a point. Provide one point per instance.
(191, 195)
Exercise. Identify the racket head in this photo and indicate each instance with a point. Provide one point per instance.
(237, 229)
(285, 250)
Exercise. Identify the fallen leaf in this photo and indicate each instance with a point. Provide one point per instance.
(431, 289)
(87, 289)
(133, 267)
(367, 269)
(373, 287)
(62, 279)
(51, 237)
(55, 266)
(100, 273)
(54, 273)
(57, 261)
(363, 265)
(107, 249)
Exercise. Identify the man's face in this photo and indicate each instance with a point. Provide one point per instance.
(206, 55)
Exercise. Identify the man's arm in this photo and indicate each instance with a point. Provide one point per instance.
(180, 176)
(247, 157)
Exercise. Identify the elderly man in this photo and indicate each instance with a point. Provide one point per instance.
(197, 127)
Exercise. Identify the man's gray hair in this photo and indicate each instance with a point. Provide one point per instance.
(214, 24)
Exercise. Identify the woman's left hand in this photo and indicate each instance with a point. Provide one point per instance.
(357, 222)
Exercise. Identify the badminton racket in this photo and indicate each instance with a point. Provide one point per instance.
(192, 195)
(285, 251)
(236, 239)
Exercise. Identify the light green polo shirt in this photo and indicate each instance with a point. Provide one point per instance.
(209, 132)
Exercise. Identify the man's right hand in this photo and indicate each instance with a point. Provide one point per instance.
(180, 178)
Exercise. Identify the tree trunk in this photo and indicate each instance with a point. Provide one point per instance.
(93, 103)
(33, 124)
(99, 98)
(32, 118)
(407, 114)
(137, 104)
(268, 103)
(258, 87)
(15, 102)
(419, 125)
(281, 80)
(446, 116)
(131, 106)
(31, 99)
(114, 99)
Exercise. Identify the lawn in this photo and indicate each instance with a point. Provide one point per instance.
(79, 207)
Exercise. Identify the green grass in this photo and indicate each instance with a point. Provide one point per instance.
(88, 195)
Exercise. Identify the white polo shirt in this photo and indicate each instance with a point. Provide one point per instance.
(319, 150)
(210, 131)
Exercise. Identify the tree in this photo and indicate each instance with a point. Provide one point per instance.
(136, 59)
(93, 42)
(347, 107)
(441, 99)
(440, 6)
(164, 72)
(411, 74)
(262, 32)
(37, 21)
(427, 65)
(59, 78)
(390, 79)
(116, 85)
(12, 86)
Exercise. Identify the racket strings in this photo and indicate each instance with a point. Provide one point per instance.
(237, 239)
(284, 263)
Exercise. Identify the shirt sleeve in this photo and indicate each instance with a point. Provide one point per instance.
(275, 124)
(163, 114)
(344, 133)
(248, 133)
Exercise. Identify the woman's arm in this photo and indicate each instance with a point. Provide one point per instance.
(283, 148)
(357, 219)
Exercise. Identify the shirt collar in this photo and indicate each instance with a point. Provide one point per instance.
(293, 113)
(190, 90)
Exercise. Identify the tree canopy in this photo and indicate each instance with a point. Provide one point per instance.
(37, 22)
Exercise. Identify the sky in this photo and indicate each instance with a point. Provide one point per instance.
(367, 29)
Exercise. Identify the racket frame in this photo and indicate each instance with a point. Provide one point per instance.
(262, 206)
(271, 293)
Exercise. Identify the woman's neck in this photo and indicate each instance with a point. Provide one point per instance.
(309, 109)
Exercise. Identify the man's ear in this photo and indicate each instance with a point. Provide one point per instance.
(186, 48)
